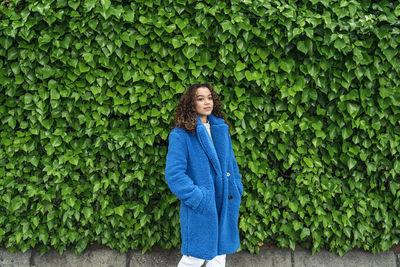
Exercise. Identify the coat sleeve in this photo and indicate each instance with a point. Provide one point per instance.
(175, 172)
(239, 179)
(236, 169)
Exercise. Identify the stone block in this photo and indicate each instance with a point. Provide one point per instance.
(19, 259)
(354, 258)
(155, 257)
(99, 257)
(266, 258)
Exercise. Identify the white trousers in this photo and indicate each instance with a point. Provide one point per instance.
(189, 261)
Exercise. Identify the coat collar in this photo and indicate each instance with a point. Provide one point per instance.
(214, 151)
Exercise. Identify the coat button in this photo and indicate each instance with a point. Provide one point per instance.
(228, 174)
(229, 197)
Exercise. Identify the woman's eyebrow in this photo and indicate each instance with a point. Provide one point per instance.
(202, 95)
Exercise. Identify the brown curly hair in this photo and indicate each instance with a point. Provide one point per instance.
(185, 112)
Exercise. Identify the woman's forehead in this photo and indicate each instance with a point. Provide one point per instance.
(203, 91)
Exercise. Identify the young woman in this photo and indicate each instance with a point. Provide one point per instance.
(201, 170)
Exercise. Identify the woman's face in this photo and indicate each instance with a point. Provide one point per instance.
(203, 101)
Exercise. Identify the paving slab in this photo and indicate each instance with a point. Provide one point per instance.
(266, 258)
(19, 259)
(102, 257)
(171, 258)
(158, 257)
(354, 258)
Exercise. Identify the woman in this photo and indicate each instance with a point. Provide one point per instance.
(201, 170)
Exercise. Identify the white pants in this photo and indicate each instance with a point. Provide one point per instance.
(189, 261)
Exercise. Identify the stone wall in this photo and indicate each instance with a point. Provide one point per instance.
(269, 257)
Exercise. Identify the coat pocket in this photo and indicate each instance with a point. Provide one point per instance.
(206, 204)
(239, 186)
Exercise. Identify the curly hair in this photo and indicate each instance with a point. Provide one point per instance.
(185, 112)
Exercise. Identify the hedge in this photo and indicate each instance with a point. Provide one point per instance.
(87, 94)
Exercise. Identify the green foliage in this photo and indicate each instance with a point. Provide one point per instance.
(87, 93)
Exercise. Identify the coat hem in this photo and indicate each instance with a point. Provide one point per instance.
(207, 257)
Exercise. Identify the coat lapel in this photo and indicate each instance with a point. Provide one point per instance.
(207, 144)
(219, 131)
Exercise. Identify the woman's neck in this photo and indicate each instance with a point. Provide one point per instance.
(203, 118)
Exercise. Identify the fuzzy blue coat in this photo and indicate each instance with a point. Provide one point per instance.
(204, 175)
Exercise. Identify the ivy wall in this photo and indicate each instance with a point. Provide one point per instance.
(87, 94)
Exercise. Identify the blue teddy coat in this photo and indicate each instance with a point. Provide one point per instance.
(204, 175)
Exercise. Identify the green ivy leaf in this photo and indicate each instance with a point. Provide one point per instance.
(301, 46)
(120, 210)
(340, 44)
(89, 5)
(182, 23)
(189, 51)
(226, 25)
(240, 66)
(87, 212)
(287, 64)
(106, 4)
(396, 166)
(16, 203)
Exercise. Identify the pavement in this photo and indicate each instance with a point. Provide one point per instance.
(268, 257)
